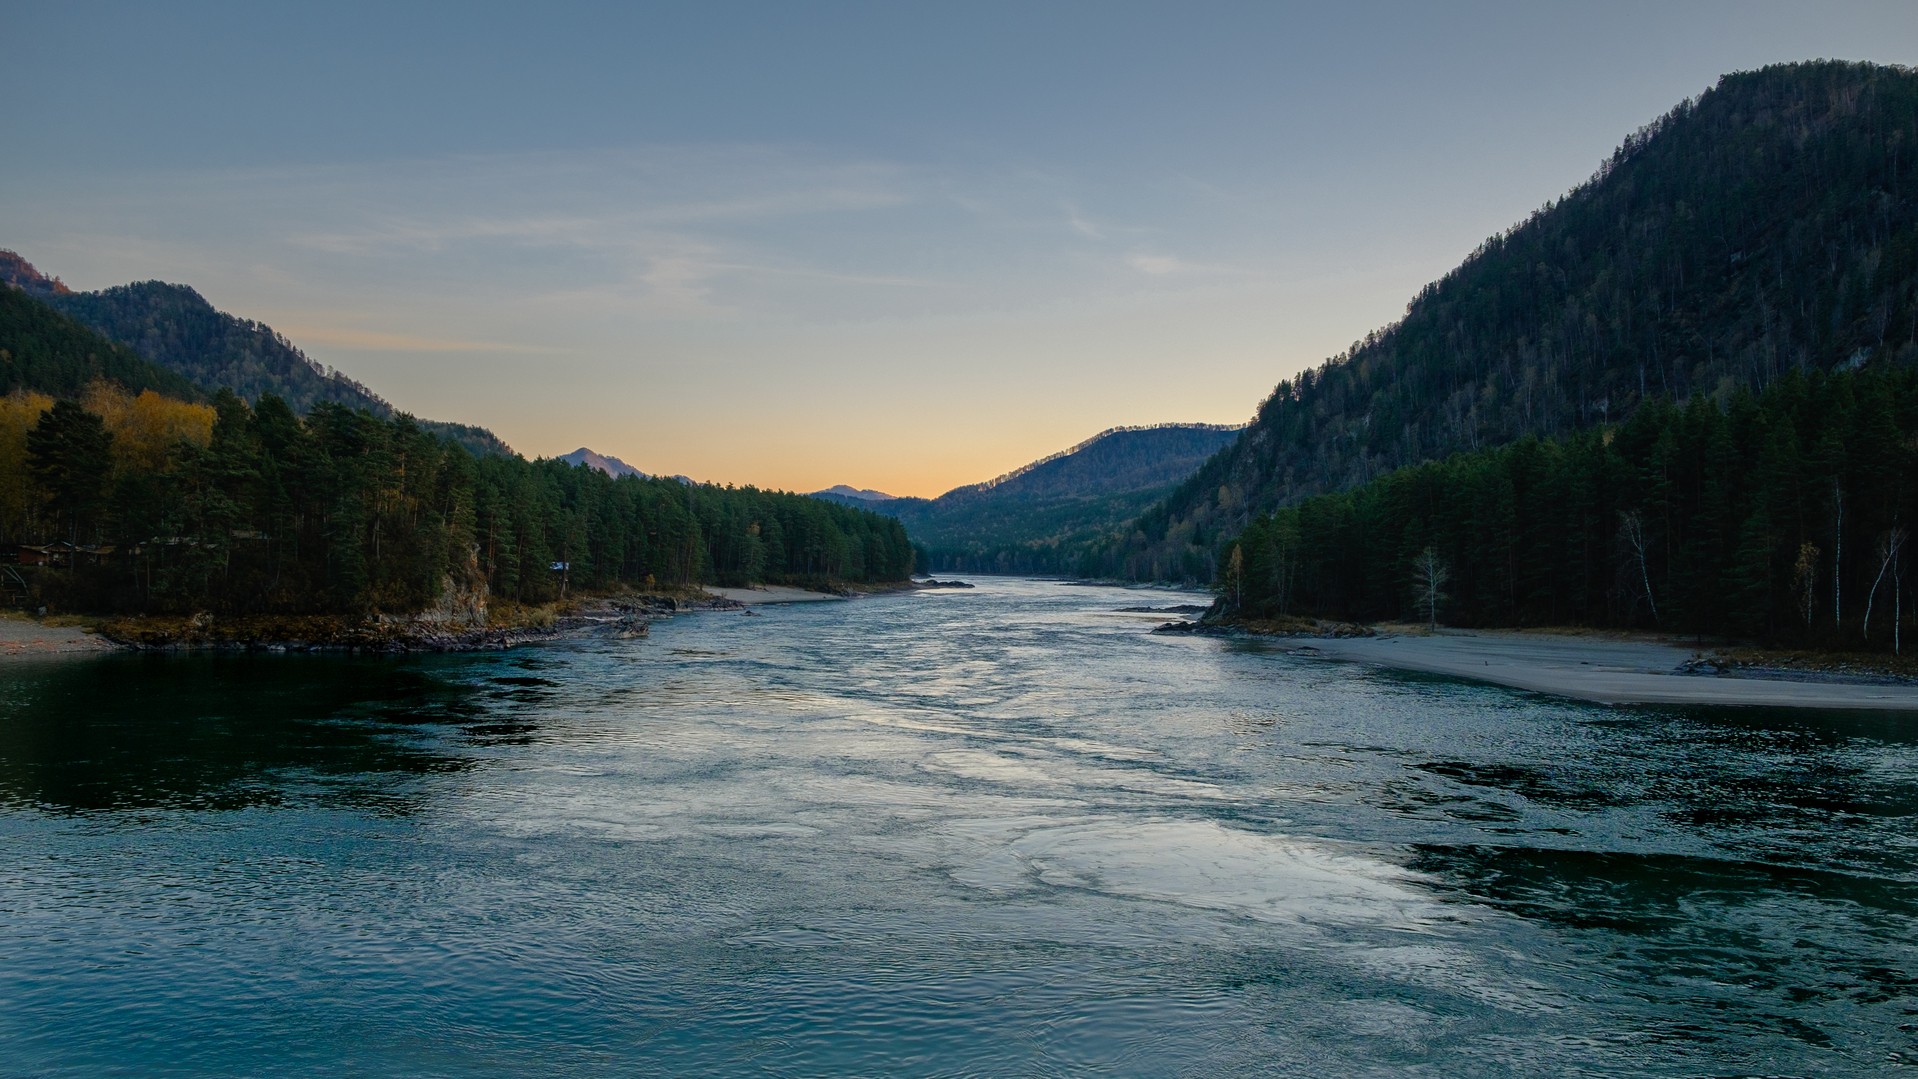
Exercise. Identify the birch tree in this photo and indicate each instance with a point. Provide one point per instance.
(1888, 550)
(1429, 576)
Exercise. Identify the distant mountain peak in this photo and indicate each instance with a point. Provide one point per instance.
(861, 493)
(612, 466)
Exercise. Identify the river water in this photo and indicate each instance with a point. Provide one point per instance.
(1002, 831)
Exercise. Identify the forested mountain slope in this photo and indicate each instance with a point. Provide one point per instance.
(42, 349)
(1036, 519)
(175, 327)
(1768, 226)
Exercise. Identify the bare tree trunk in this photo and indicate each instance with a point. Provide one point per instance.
(1894, 542)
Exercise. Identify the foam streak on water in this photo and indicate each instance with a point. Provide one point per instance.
(1002, 831)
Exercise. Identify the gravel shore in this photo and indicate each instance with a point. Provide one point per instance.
(22, 637)
(1604, 670)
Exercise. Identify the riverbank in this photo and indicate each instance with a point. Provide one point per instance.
(507, 625)
(25, 637)
(1606, 669)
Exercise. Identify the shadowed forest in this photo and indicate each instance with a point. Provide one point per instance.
(1781, 517)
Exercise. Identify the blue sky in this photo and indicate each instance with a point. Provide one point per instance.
(896, 245)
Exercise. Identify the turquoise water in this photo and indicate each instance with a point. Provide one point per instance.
(1002, 831)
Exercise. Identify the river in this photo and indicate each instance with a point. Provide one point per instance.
(997, 831)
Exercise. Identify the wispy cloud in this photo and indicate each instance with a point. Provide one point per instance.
(650, 235)
(590, 199)
(1080, 225)
(666, 231)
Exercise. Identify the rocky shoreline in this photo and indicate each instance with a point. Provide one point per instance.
(622, 616)
(470, 627)
(1308, 628)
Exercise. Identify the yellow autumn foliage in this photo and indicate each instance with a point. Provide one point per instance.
(19, 411)
(146, 427)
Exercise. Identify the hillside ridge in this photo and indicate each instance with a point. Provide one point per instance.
(1765, 226)
(1036, 518)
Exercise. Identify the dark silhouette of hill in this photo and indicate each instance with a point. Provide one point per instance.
(1768, 226)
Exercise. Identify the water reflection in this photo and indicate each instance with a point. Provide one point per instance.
(229, 732)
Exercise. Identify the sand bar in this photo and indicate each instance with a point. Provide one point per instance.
(1604, 670)
(25, 638)
(772, 593)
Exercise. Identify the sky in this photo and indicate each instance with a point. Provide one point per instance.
(902, 246)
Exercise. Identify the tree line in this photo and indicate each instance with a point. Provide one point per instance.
(232, 508)
(1783, 517)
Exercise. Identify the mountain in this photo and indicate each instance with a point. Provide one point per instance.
(612, 466)
(44, 350)
(477, 440)
(175, 327)
(1035, 519)
(840, 492)
(1767, 226)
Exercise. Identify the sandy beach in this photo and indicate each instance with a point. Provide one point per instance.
(771, 593)
(22, 637)
(1603, 670)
